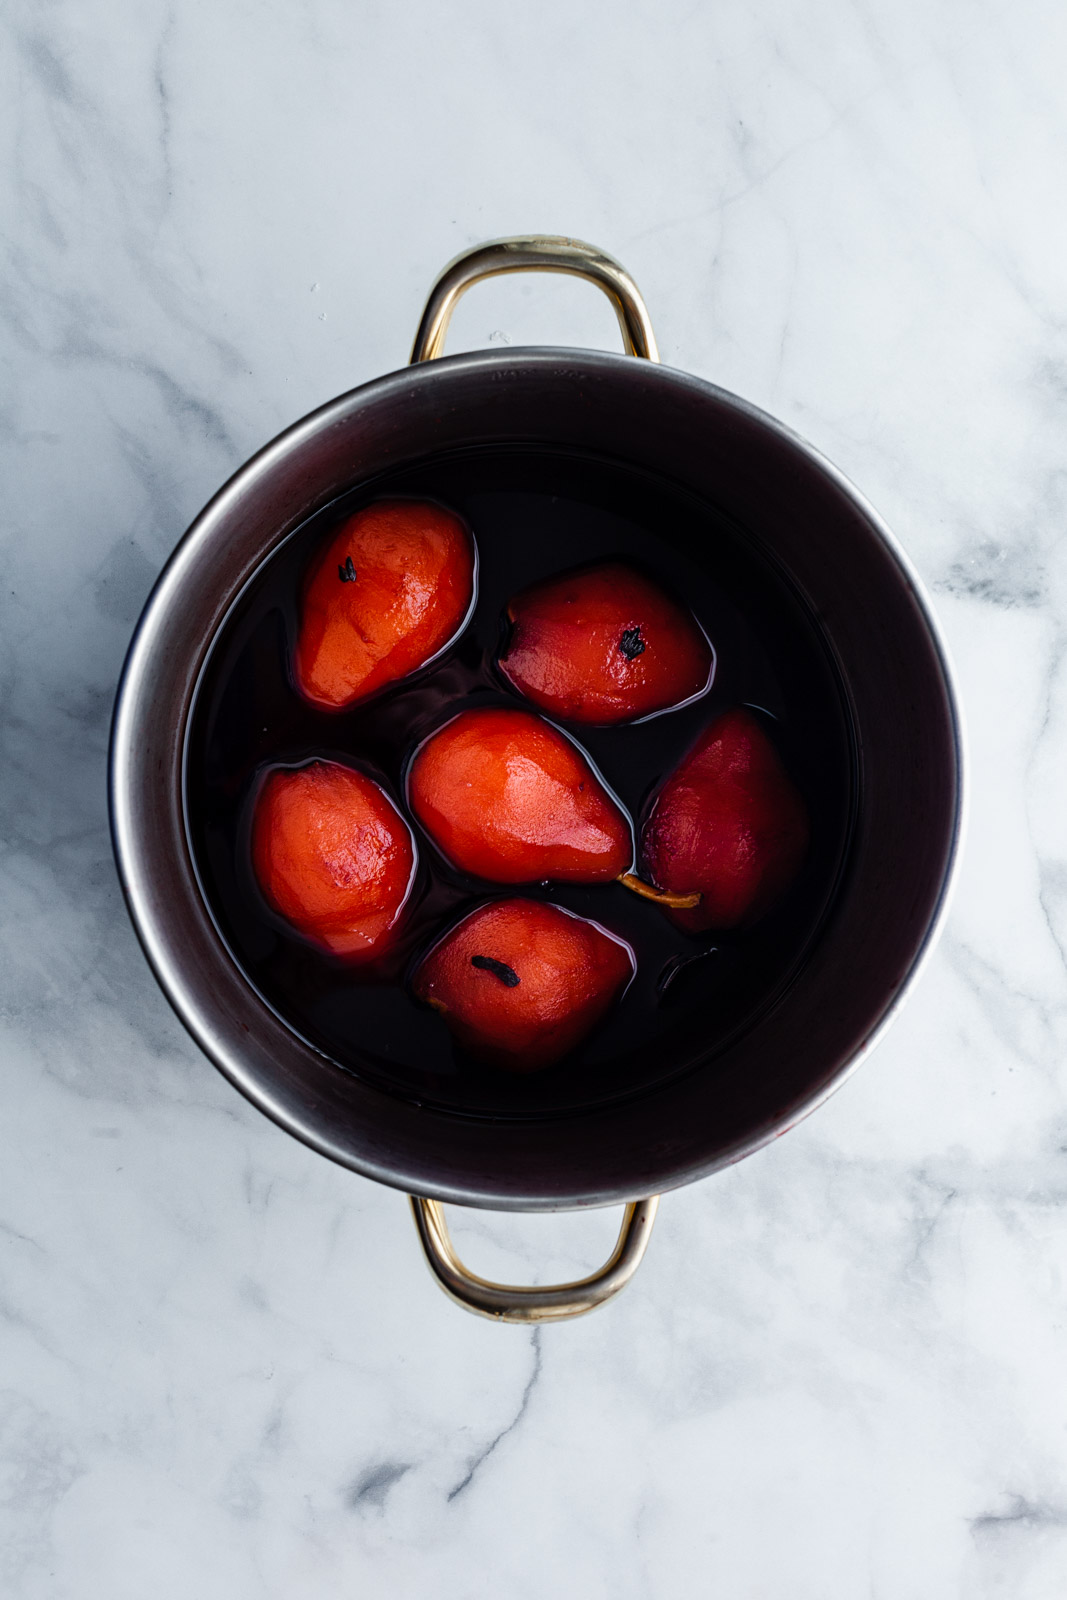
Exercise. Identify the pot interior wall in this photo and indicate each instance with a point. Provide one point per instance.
(809, 522)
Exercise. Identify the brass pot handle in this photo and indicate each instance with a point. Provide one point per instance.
(537, 254)
(505, 1302)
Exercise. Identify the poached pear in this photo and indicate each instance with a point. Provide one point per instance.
(727, 825)
(507, 797)
(603, 645)
(333, 856)
(521, 983)
(384, 595)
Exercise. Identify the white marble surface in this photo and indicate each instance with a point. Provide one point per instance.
(225, 1372)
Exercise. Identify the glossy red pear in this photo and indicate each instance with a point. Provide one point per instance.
(728, 824)
(604, 644)
(383, 596)
(333, 856)
(509, 798)
(521, 983)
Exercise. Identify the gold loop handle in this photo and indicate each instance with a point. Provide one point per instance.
(505, 1302)
(538, 254)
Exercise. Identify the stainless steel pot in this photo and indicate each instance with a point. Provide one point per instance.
(875, 620)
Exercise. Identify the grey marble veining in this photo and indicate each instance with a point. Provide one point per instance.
(224, 1371)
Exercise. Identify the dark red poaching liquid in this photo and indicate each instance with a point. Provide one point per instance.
(533, 513)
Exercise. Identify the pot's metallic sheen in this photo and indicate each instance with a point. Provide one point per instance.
(878, 628)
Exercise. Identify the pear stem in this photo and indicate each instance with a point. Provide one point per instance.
(662, 897)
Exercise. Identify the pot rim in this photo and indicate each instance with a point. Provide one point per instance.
(580, 363)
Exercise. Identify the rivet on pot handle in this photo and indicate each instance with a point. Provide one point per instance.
(505, 1302)
(535, 255)
(511, 1302)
